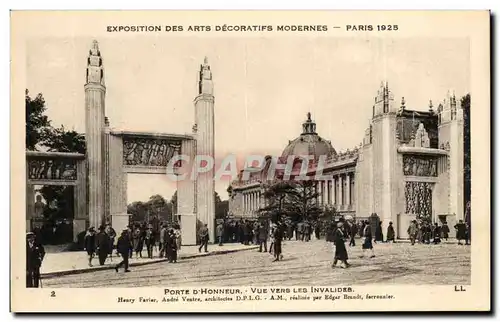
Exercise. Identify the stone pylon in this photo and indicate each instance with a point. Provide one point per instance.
(205, 146)
(95, 92)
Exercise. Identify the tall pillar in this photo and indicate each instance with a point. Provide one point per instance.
(95, 92)
(348, 189)
(320, 190)
(329, 191)
(30, 205)
(186, 191)
(205, 146)
(340, 199)
(325, 192)
(334, 191)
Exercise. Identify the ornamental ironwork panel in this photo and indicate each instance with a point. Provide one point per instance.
(418, 198)
(52, 169)
(421, 166)
(149, 152)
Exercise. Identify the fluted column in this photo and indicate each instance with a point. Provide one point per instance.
(339, 191)
(348, 189)
(325, 192)
(329, 191)
(94, 137)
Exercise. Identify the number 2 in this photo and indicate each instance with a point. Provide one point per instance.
(52, 294)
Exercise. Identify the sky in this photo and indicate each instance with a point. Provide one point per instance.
(263, 87)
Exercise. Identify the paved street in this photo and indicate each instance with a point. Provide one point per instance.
(303, 264)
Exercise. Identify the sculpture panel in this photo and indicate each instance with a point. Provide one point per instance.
(149, 152)
(421, 166)
(52, 169)
(418, 199)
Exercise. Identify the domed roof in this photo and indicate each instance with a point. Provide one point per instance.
(309, 143)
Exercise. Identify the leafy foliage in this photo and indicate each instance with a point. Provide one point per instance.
(155, 206)
(36, 121)
(293, 199)
(60, 140)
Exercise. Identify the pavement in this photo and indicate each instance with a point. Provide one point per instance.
(304, 263)
(67, 263)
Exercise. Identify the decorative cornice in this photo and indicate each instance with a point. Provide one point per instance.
(38, 154)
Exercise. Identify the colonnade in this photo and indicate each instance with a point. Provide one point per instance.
(253, 200)
(338, 192)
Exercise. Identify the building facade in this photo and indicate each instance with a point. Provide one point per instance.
(408, 165)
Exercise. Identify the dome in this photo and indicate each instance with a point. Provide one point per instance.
(309, 143)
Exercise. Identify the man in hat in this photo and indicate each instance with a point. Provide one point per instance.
(204, 238)
(90, 244)
(34, 257)
(150, 241)
(103, 245)
(123, 248)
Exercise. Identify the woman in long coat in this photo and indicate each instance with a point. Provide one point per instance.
(390, 233)
(340, 250)
(367, 244)
(278, 238)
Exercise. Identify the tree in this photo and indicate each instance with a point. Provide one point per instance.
(60, 140)
(36, 121)
(301, 202)
(276, 194)
(138, 210)
(465, 103)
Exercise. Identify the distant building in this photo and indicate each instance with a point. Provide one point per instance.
(409, 165)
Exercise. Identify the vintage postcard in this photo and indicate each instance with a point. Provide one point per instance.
(260, 161)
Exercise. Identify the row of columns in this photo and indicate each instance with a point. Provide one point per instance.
(336, 191)
(252, 201)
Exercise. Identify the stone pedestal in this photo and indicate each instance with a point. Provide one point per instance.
(119, 222)
(402, 223)
(188, 229)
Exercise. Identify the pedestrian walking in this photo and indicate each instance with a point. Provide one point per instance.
(102, 245)
(390, 233)
(171, 246)
(445, 230)
(271, 238)
(123, 248)
(35, 254)
(436, 234)
(367, 244)
(149, 240)
(461, 231)
(204, 238)
(262, 236)
(278, 238)
(90, 244)
(111, 233)
(353, 232)
(413, 231)
(220, 233)
(340, 250)
(163, 238)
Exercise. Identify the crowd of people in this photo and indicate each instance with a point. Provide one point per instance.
(166, 239)
(420, 231)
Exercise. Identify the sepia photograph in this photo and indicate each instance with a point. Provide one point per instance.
(241, 165)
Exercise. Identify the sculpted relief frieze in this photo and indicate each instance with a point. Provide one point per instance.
(51, 169)
(421, 166)
(149, 151)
